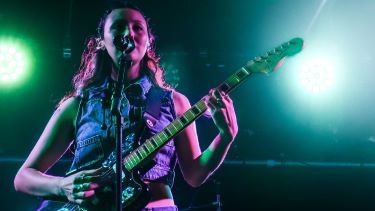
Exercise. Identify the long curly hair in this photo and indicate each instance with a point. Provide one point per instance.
(96, 64)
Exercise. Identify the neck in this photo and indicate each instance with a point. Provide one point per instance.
(132, 73)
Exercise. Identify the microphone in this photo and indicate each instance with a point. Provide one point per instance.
(124, 43)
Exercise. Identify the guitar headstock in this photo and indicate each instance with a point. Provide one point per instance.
(274, 58)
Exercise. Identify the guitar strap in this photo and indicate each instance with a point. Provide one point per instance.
(151, 115)
(151, 111)
(153, 105)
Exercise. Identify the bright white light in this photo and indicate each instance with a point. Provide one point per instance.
(316, 76)
(12, 62)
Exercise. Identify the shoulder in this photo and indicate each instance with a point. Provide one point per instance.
(69, 103)
(67, 109)
(181, 102)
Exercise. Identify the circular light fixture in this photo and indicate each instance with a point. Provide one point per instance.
(316, 76)
(12, 62)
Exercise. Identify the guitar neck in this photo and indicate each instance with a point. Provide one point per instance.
(154, 143)
(234, 80)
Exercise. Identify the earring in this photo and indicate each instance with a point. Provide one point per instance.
(99, 44)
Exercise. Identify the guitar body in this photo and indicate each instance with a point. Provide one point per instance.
(135, 195)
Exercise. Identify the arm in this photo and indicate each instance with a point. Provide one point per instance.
(197, 166)
(52, 144)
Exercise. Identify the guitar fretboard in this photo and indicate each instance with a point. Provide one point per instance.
(154, 143)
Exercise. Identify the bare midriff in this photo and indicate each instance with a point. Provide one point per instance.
(161, 195)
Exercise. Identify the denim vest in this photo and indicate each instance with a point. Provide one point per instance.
(95, 127)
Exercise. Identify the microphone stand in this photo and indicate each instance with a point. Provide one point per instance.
(124, 65)
(218, 198)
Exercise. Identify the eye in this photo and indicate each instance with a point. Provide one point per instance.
(138, 28)
(118, 26)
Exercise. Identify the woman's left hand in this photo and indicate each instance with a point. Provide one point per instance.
(222, 111)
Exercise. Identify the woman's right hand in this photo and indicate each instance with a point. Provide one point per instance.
(80, 187)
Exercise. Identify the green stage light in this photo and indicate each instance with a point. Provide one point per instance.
(13, 62)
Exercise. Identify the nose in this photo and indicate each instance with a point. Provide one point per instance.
(127, 30)
(131, 33)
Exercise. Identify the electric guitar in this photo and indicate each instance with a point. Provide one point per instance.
(135, 194)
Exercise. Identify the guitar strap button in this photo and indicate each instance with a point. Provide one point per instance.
(149, 123)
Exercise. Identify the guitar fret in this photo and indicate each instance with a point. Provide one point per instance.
(153, 142)
(183, 119)
(129, 161)
(233, 80)
(167, 132)
(157, 140)
(131, 164)
(186, 117)
(175, 126)
(148, 145)
(127, 165)
(201, 105)
(190, 115)
(143, 151)
(224, 87)
(171, 129)
(241, 74)
(160, 138)
(195, 110)
(163, 133)
(181, 124)
(139, 155)
(145, 148)
(133, 159)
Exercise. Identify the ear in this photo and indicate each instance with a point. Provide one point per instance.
(99, 44)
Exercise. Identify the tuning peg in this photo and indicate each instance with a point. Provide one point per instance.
(271, 52)
(265, 56)
(278, 49)
(257, 59)
(285, 45)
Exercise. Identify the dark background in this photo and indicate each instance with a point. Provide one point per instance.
(294, 151)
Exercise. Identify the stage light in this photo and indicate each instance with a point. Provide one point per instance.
(13, 62)
(316, 76)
